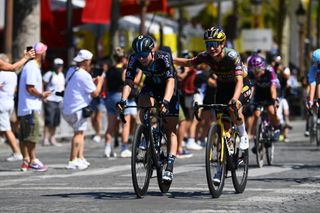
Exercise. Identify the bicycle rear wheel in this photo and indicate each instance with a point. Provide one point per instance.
(318, 134)
(312, 128)
(214, 163)
(259, 145)
(141, 163)
(240, 160)
(269, 152)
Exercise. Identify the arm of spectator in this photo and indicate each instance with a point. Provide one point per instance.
(12, 67)
(183, 75)
(98, 81)
(33, 91)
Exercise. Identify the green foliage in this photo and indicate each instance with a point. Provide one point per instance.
(207, 17)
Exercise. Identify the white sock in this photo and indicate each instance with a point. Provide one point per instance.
(242, 130)
(191, 140)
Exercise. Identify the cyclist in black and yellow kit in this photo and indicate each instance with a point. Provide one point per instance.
(159, 85)
(226, 64)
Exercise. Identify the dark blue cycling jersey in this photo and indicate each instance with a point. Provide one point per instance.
(156, 73)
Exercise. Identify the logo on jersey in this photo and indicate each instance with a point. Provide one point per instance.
(232, 54)
(165, 58)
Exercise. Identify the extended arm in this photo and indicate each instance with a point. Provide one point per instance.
(12, 67)
(184, 62)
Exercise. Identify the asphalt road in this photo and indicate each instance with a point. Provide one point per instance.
(292, 184)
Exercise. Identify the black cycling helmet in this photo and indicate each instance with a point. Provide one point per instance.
(214, 34)
(143, 43)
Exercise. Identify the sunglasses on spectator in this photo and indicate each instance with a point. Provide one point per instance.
(142, 54)
(213, 44)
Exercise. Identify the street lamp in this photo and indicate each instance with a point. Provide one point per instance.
(301, 18)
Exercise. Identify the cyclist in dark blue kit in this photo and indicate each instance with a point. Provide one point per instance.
(159, 85)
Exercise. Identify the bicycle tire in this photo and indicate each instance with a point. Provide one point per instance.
(241, 165)
(269, 153)
(312, 132)
(141, 159)
(163, 186)
(259, 145)
(318, 134)
(213, 152)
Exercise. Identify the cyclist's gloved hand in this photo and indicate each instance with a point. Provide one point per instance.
(164, 107)
(309, 104)
(121, 104)
(234, 104)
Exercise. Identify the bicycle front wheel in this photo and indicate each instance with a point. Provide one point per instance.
(259, 146)
(215, 161)
(241, 164)
(141, 163)
(161, 166)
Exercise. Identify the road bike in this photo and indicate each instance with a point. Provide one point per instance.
(149, 150)
(222, 151)
(264, 139)
(313, 124)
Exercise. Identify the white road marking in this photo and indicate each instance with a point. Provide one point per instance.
(119, 168)
(267, 170)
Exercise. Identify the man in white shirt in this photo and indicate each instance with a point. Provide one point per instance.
(8, 83)
(29, 107)
(80, 88)
(54, 82)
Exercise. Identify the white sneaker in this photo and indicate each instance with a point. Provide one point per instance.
(84, 161)
(72, 164)
(77, 164)
(109, 153)
(125, 153)
(96, 139)
(193, 145)
(14, 157)
(82, 164)
(244, 142)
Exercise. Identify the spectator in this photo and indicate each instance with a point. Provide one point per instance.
(80, 88)
(8, 83)
(53, 81)
(29, 107)
(114, 78)
(98, 106)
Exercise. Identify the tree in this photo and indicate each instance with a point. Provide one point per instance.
(26, 22)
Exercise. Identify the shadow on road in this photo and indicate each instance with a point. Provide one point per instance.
(295, 180)
(97, 195)
(103, 195)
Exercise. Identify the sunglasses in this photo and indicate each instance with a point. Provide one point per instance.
(213, 44)
(142, 54)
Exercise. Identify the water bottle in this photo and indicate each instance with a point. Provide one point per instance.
(229, 143)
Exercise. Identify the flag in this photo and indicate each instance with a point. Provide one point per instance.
(97, 12)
